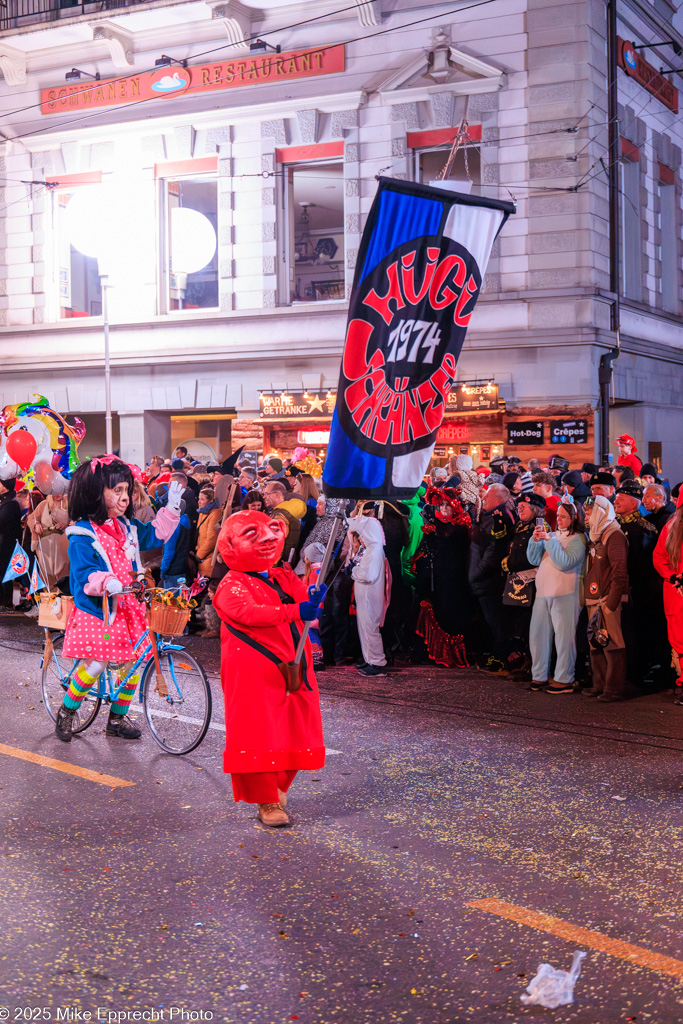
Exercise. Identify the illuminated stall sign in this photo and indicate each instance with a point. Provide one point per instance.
(311, 404)
(263, 69)
(473, 397)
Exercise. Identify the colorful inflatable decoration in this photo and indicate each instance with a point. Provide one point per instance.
(37, 442)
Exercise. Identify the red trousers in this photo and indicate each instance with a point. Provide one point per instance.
(260, 787)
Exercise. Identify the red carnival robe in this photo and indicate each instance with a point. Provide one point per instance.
(266, 729)
(673, 599)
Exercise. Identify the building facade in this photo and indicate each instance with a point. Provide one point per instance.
(210, 187)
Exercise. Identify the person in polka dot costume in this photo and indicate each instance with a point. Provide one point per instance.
(105, 542)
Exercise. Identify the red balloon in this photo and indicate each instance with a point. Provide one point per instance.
(21, 448)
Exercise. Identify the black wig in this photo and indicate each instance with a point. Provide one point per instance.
(86, 494)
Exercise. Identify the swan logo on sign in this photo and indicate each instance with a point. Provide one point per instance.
(629, 56)
(167, 82)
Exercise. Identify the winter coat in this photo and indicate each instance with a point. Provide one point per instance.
(207, 536)
(607, 572)
(642, 539)
(177, 548)
(516, 560)
(661, 517)
(673, 599)
(490, 539)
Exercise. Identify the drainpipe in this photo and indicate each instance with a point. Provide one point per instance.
(608, 359)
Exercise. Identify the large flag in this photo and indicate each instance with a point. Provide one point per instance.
(18, 564)
(419, 272)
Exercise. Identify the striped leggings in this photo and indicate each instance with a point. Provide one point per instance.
(85, 677)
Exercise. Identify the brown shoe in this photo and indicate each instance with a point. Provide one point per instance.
(282, 797)
(273, 815)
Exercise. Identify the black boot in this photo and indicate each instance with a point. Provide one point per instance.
(120, 725)
(64, 724)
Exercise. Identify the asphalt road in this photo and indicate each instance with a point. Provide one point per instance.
(558, 818)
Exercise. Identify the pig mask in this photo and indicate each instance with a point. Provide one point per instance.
(251, 541)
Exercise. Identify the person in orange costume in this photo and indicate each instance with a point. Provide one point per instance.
(270, 734)
(668, 561)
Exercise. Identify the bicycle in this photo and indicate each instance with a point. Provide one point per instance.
(177, 705)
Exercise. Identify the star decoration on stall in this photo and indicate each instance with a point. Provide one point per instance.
(316, 403)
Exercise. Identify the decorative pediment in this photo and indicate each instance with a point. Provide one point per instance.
(443, 68)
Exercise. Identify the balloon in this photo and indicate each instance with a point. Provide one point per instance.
(43, 477)
(21, 446)
(8, 468)
(59, 484)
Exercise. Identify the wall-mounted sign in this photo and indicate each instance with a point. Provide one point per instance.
(452, 433)
(569, 431)
(473, 398)
(526, 432)
(297, 403)
(314, 437)
(439, 453)
(169, 81)
(637, 67)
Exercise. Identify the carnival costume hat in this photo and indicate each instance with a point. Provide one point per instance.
(632, 489)
(448, 496)
(605, 479)
(627, 439)
(251, 541)
(532, 499)
(557, 462)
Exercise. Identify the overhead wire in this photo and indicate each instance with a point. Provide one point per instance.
(50, 129)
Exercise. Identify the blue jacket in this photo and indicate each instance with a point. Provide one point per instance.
(177, 548)
(86, 555)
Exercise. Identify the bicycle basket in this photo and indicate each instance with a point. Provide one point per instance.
(54, 610)
(167, 619)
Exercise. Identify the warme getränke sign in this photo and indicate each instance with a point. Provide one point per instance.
(418, 276)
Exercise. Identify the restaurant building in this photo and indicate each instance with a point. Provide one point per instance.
(203, 170)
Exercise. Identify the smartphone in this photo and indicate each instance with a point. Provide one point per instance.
(540, 521)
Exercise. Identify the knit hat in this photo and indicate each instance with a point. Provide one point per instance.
(632, 489)
(647, 469)
(275, 464)
(178, 465)
(462, 462)
(572, 478)
(510, 479)
(10, 484)
(589, 467)
(532, 499)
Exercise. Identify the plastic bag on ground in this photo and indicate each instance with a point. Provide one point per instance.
(551, 987)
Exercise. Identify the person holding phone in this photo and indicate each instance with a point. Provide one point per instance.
(561, 557)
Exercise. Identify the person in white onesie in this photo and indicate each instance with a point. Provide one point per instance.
(366, 540)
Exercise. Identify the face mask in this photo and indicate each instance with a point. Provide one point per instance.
(251, 541)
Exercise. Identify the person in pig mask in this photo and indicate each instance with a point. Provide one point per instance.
(273, 722)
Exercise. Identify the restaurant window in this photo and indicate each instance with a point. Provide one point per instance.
(313, 251)
(78, 280)
(466, 166)
(190, 270)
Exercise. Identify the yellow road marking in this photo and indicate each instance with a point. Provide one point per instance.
(63, 766)
(582, 936)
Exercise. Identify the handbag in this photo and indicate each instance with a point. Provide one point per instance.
(520, 589)
(598, 637)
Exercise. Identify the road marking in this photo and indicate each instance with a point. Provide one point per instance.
(582, 936)
(198, 721)
(63, 766)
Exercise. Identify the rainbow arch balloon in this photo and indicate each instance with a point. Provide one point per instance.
(57, 441)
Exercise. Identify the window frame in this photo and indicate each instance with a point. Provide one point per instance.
(65, 184)
(445, 147)
(163, 177)
(284, 248)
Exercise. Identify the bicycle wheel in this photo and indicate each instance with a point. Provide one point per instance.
(180, 717)
(55, 681)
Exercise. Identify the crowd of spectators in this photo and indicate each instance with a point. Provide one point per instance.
(567, 579)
